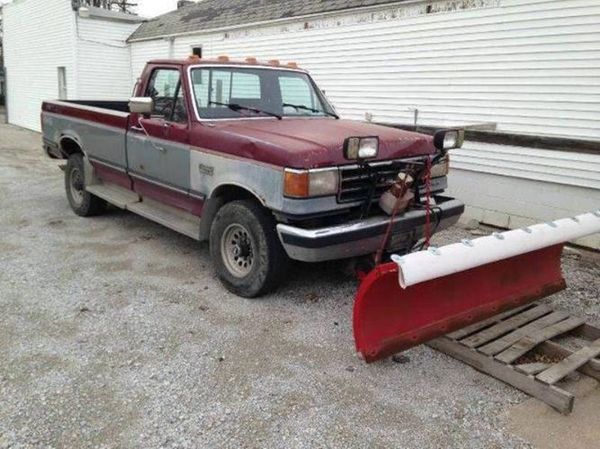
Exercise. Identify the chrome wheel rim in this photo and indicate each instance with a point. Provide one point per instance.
(76, 185)
(237, 250)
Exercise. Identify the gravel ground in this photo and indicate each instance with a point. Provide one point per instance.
(114, 333)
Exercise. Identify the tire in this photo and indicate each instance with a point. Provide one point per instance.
(82, 202)
(245, 249)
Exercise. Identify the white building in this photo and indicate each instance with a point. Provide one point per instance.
(52, 51)
(525, 73)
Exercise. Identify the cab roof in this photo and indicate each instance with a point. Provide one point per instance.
(226, 61)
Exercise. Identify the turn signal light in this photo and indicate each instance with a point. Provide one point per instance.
(310, 183)
(295, 184)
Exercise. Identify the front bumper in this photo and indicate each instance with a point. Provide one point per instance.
(362, 237)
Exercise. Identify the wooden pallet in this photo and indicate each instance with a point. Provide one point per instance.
(516, 347)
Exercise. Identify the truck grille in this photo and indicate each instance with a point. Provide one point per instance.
(355, 181)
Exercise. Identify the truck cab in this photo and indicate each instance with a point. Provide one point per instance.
(255, 159)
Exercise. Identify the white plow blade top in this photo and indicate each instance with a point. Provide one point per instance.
(433, 263)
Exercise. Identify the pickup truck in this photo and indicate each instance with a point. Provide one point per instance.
(253, 158)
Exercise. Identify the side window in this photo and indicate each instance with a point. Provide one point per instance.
(166, 91)
(180, 114)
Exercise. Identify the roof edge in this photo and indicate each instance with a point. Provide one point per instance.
(271, 22)
(92, 12)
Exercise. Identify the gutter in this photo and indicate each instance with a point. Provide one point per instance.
(276, 21)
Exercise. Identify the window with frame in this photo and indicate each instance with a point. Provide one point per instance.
(166, 90)
(241, 92)
(197, 51)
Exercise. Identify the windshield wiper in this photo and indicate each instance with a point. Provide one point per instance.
(239, 107)
(306, 108)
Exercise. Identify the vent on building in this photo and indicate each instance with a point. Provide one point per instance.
(197, 51)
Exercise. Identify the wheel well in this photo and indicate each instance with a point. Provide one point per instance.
(69, 146)
(231, 192)
(222, 195)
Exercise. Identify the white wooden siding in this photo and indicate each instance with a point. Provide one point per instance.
(103, 59)
(559, 167)
(143, 52)
(531, 66)
(38, 38)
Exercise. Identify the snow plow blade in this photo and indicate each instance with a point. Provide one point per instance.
(427, 294)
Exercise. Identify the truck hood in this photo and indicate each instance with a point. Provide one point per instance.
(315, 142)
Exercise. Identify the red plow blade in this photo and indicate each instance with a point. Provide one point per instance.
(389, 319)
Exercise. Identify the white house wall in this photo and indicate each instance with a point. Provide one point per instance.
(38, 38)
(530, 66)
(143, 52)
(103, 59)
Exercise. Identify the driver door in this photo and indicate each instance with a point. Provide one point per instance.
(158, 147)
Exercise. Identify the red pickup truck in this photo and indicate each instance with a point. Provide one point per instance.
(253, 158)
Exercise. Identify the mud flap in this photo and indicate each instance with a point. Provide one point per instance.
(388, 319)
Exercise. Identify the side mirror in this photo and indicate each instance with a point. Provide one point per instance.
(141, 105)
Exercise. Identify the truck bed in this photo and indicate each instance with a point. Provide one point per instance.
(98, 126)
(121, 106)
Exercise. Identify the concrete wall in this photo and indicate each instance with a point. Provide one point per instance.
(511, 202)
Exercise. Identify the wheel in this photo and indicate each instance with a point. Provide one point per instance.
(82, 202)
(246, 250)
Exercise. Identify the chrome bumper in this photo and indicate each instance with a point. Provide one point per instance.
(362, 237)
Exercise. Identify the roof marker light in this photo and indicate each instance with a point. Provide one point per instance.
(223, 58)
(292, 65)
(251, 60)
(274, 62)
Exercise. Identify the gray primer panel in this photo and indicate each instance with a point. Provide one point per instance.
(103, 142)
(265, 182)
(171, 166)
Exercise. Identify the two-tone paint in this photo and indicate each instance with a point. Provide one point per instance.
(189, 165)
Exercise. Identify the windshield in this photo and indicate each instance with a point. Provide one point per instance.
(235, 92)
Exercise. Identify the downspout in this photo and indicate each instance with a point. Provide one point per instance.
(171, 43)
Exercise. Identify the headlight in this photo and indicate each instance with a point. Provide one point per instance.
(361, 147)
(310, 183)
(448, 139)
